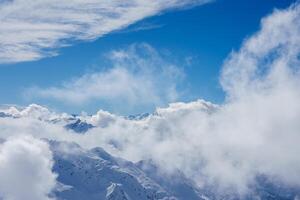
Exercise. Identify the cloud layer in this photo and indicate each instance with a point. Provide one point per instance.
(26, 169)
(30, 30)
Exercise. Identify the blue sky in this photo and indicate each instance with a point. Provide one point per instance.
(196, 39)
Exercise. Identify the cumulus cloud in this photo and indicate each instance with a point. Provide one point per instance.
(34, 29)
(256, 131)
(262, 84)
(268, 58)
(26, 169)
(139, 76)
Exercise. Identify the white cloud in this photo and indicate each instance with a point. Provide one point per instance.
(26, 169)
(267, 58)
(30, 30)
(139, 77)
(180, 107)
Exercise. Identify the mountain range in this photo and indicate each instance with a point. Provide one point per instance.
(95, 174)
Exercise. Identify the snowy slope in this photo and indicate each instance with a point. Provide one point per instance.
(94, 174)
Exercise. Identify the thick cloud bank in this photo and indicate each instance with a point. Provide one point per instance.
(34, 29)
(256, 131)
(26, 169)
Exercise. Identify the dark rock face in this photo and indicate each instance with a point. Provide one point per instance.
(138, 116)
(79, 126)
(3, 115)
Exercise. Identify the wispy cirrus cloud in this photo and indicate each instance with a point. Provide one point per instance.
(30, 30)
(138, 76)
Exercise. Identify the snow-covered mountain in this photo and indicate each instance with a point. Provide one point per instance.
(94, 174)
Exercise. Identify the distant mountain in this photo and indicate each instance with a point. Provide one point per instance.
(2, 114)
(79, 126)
(138, 116)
